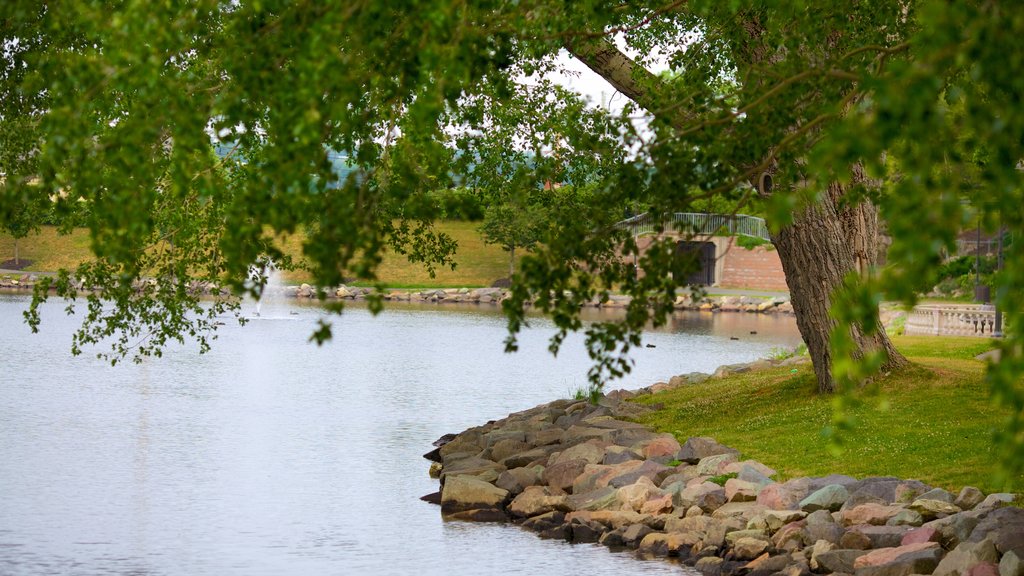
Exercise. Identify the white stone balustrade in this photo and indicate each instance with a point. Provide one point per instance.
(952, 320)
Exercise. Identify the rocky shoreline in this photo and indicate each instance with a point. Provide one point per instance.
(579, 472)
(491, 296)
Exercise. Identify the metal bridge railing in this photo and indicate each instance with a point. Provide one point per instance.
(697, 224)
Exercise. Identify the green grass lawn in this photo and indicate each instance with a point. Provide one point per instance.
(933, 421)
(478, 264)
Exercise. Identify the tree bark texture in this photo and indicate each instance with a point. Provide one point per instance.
(824, 243)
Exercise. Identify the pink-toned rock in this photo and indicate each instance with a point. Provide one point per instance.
(922, 534)
(871, 513)
(778, 497)
(634, 496)
(663, 445)
(740, 491)
(885, 556)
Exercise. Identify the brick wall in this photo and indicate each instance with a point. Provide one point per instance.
(758, 268)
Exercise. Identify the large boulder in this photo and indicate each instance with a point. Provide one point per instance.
(671, 544)
(537, 500)
(968, 498)
(482, 468)
(468, 497)
(502, 449)
(650, 469)
(698, 447)
(634, 496)
(839, 561)
(663, 446)
(562, 474)
(517, 479)
(1004, 527)
(708, 496)
(881, 536)
(870, 513)
(831, 497)
(966, 556)
(900, 561)
(1011, 564)
(953, 530)
(598, 475)
(715, 465)
(780, 497)
(737, 490)
(930, 509)
(749, 548)
(590, 452)
(600, 499)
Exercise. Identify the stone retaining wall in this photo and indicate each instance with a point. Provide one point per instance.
(579, 472)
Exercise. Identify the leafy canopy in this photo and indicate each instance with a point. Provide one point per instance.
(109, 110)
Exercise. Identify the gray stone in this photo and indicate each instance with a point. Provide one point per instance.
(713, 465)
(996, 500)
(830, 497)
(600, 499)
(753, 475)
(634, 534)
(1011, 564)
(822, 481)
(965, 556)
(698, 447)
(969, 497)
(952, 530)
(838, 560)
(937, 494)
(872, 490)
(517, 479)
(718, 529)
(882, 536)
(905, 518)
(620, 454)
(706, 495)
(832, 533)
(933, 508)
(529, 457)
(1004, 527)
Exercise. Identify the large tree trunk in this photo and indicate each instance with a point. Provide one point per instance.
(822, 245)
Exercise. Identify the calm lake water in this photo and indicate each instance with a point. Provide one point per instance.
(269, 455)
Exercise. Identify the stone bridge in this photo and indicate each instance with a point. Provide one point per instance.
(713, 238)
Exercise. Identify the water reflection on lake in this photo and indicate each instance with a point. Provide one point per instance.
(273, 456)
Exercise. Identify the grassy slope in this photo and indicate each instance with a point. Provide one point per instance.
(478, 264)
(937, 426)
